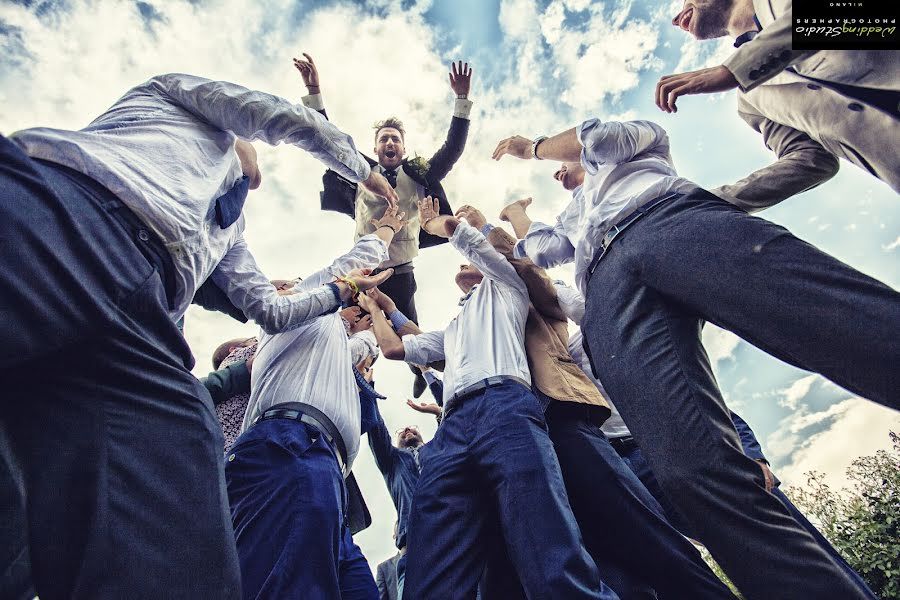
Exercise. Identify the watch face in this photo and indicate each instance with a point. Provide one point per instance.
(850, 25)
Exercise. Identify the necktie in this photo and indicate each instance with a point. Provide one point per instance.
(415, 453)
(391, 176)
(229, 204)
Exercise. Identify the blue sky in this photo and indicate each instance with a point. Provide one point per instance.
(540, 67)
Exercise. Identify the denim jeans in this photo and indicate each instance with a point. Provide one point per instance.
(698, 258)
(491, 464)
(288, 504)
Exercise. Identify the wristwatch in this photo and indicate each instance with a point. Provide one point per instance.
(535, 144)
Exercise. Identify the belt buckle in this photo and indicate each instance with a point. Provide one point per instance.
(609, 237)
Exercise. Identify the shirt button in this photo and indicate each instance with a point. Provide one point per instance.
(813, 86)
(754, 74)
(143, 235)
(855, 106)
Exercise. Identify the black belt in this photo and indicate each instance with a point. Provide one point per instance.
(310, 415)
(623, 444)
(624, 224)
(469, 391)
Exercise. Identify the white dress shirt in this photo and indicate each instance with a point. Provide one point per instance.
(627, 164)
(487, 337)
(572, 303)
(166, 149)
(312, 363)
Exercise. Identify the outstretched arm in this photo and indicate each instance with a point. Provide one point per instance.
(443, 160)
(546, 246)
(802, 165)
(310, 74)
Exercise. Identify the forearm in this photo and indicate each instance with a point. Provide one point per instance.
(519, 220)
(386, 234)
(563, 147)
(390, 343)
(442, 225)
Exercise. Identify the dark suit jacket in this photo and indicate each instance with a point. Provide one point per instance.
(339, 194)
(387, 578)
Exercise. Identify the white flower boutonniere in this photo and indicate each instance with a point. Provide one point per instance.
(420, 166)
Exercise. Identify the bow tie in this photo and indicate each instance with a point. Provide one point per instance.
(229, 204)
(391, 176)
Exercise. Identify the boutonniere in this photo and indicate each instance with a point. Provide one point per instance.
(419, 165)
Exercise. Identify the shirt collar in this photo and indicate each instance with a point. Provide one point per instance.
(748, 35)
(468, 295)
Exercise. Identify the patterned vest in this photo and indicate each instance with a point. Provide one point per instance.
(405, 246)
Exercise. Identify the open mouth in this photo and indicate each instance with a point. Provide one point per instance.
(686, 16)
(390, 153)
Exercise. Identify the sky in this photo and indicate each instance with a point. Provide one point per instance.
(540, 67)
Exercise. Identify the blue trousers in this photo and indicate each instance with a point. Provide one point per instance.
(289, 507)
(639, 554)
(638, 464)
(118, 444)
(490, 464)
(698, 258)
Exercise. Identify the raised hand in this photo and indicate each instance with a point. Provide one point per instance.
(519, 205)
(384, 302)
(515, 146)
(364, 281)
(391, 218)
(367, 303)
(378, 185)
(704, 81)
(460, 78)
(309, 72)
(429, 208)
(473, 216)
(425, 407)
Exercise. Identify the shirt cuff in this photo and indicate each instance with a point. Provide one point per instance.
(465, 236)
(313, 101)
(462, 108)
(429, 377)
(398, 319)
(581, 131)
(486, 229)
(336, 291)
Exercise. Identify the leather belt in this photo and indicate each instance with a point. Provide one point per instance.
(479, 386)
(624, 224)
(298, 411)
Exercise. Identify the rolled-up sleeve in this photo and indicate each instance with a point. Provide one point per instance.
(472, 244)
(424, 348)
(546, 246)
(614, 142)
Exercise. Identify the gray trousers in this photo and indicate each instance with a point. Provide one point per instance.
(699, 259)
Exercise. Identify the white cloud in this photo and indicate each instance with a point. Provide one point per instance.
(720, 344)
(796, 391)
(860, 428)
(892, 246)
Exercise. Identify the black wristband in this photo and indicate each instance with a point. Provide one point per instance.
(391, 227)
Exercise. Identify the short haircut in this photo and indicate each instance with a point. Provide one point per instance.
(390, 122)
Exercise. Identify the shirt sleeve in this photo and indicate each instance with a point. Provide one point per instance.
(227, 382)
(571, 301)
(472, 244)
(614, 142)
(424, 348)
(546, 246)
(748, 439)
(766, 55)
(362, 345)
(380, 444)
(238, 275)
(368, 252)
(462, 108)
(254, 115)
(313, 101)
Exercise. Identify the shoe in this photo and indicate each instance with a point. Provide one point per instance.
(419, 385)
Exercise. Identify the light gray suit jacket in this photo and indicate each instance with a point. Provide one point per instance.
(807, 124)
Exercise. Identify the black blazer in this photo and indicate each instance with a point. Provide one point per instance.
(339, 194)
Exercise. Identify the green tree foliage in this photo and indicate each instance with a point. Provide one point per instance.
(862, 523)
